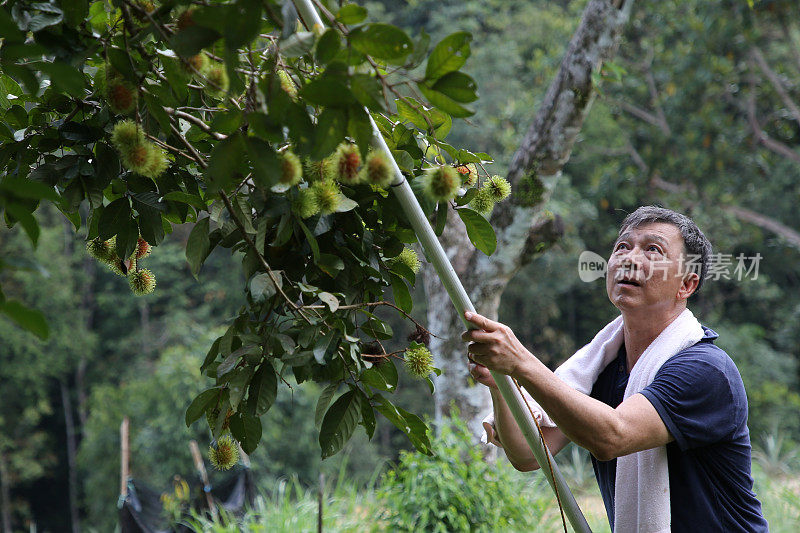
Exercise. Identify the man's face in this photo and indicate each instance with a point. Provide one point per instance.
(644, 270)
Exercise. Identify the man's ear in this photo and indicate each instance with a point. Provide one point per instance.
(689, 285)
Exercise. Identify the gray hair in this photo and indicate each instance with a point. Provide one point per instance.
(694, 242)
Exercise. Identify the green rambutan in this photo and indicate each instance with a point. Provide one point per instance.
(141, 281)
(419, 360)
(318, 170)
(377, 170)
(347, 161)
(225, 454)
(483, 202)
(101, 250)
(469, 174)
(328, 196)
(142, 249)
(196, 63)
(291, 168)
(305, 203)
(409, 258)
(157, 164)
(145, 5)
(121, 96)
(126, 133)
(143, 158)
(100, 79)
(218, 82)
(441, 183)
(498, 187)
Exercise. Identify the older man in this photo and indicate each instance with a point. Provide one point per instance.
(651, 389)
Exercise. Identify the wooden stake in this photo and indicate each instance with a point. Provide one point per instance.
(125, 455)
(201, 468)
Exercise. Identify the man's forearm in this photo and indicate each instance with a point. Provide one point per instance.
(514, 443)
(588, 422)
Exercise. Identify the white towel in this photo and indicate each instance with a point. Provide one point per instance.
(641, 496)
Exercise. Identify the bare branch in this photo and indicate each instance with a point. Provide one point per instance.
(767, 223)
(772, 144)
(776, 82)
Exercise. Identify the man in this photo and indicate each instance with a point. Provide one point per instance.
(657, 393)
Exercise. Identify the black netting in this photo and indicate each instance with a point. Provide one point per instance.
(142, 510)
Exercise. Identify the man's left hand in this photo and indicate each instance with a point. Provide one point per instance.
(495, 346)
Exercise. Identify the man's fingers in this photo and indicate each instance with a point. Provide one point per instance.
(481, 321)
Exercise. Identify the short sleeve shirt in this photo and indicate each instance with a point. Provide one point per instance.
(700, 397)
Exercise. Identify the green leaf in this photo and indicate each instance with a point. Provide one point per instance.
(479, 231)
(189, 41)
(408, 423)
(401, 295)
(266, 167)
(127, 238)
(262, 288)
(312, 241)
(331, 300)
(368, 91)
(445, 103)
(25, 219)
(247, 430)
(351, 14)
(381, 376)
(330, 264)
(114, 215)
(65, 77)
(327, 92)
(200, 404)
(457, 86)
(8, 28)
(377, 329)
(339, 423)
(186, 198)
(382, 41)
(75, 11)
(238, 381)
(29, 188)
(263, 389)
(297, 44)
(328, 46)
(449, 55)
(198, 246)
(26, 318)
(243, 23)
(367, 415)
(225, 162)
(330, 131)
(323, 402)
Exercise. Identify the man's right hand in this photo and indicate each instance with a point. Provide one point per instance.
(482, 375)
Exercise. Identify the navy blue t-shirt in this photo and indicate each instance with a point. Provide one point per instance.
(700, 397)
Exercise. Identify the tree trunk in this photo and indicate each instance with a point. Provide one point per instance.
(71, 455)
(5, 495)
(523, 228)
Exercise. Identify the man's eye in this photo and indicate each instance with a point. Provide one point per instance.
(620, 246)
(654, 248)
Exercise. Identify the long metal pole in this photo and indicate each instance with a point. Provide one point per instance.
(458, 295)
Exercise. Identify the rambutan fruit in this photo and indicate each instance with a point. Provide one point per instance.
(225, 454)
(145, 5)
(377, 170)
(142, 281)
(157, 164)
(291, 168)
(420, 335)
(469, 174)
(101, 250)
(126, 133)
(409, 258)
(196, 63)
(318, 170)
(218, 82)
(121, 96)
(142, 249)
(498, 187)
(185, 19)
(419, 360)
(328, 196)
(441, 183)
(347, 161)
(136, 157)
(305, 203)
(483, 202)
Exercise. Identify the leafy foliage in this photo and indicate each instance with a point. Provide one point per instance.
(227, 103)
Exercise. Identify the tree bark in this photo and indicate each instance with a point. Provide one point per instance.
(5, 495)
(523, 228)
(71, 455)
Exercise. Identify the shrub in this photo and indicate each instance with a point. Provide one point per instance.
(457, 490)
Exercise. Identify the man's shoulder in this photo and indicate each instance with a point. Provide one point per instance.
(704, 359)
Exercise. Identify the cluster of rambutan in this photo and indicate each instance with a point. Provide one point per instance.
(141, 280)
(323, 193)
(495, 189)
(138, 154)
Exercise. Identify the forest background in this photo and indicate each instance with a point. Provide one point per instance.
(698, 112)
